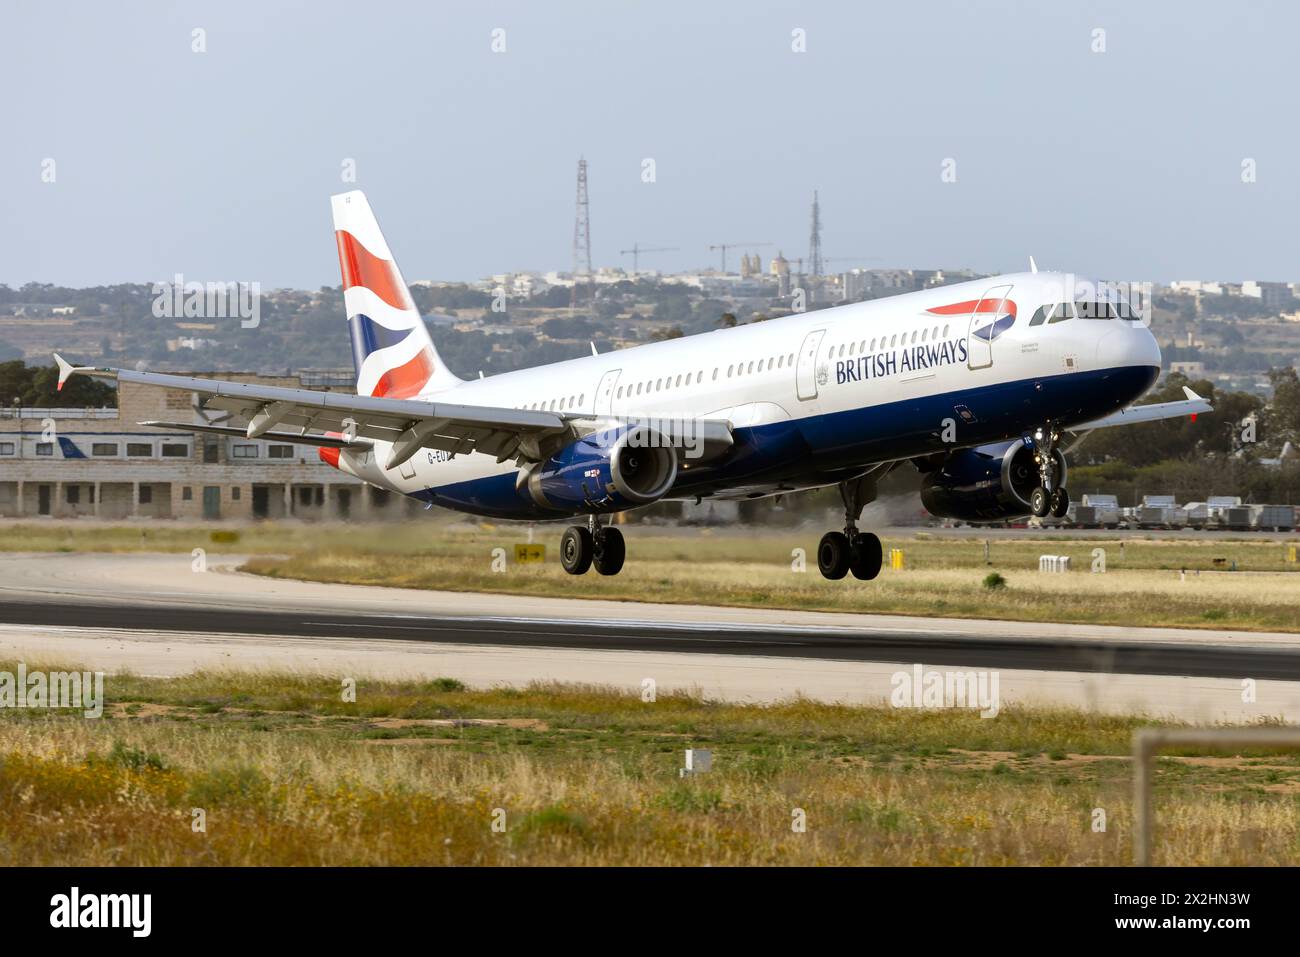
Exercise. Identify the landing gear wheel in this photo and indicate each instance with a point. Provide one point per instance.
(1059, 501)
(833, 555)
(576, 550)
(609, 552)
(1039, 503)
(866, 556)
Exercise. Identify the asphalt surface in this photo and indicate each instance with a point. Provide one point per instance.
(934, 647)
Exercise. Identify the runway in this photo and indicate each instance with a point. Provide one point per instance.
(154, 614)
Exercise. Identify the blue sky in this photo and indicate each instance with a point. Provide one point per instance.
(1125, 164)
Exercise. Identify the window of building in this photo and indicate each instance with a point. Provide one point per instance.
(44, 448)
(139, 450)
(72, 493)
(320, 495)
(175, 451)
(244, 451)
(279, 451)
(6, 448)
(103, 448)
(234, 493)
(146, 494)
(187, 494)
(304, 495)
(210, 454)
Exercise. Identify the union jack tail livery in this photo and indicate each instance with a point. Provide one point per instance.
(391, 349)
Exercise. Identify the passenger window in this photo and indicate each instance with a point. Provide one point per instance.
(1062, 312)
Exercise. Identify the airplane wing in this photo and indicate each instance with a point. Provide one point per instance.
(410, 425)
(1192, 405)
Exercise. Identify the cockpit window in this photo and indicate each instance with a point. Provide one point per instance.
(1062, 312)
(1038, 318)
(1124, 309)
(1093, 309)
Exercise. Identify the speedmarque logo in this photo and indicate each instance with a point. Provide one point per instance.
(103, 910)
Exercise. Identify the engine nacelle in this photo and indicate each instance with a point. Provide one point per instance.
(988, 484)
(606, 472)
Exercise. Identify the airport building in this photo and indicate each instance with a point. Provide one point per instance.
(66, 463)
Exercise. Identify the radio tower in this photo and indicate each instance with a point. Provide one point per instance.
(581, 237)
(815, 243)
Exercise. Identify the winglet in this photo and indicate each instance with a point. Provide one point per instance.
(1192, 395)
(67, 369)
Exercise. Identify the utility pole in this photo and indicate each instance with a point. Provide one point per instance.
(581, 236)
(815, 241)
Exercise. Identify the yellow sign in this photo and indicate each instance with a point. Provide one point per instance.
(896, 559)
(1290, 554)
(529, 553)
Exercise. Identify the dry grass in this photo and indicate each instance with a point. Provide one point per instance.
(412, 773)
(1124, 595)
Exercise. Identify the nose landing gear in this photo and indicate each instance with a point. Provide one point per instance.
(599, 545)
(840, 553)
(1048, 498)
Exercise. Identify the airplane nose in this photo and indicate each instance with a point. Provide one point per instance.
(1127, 347)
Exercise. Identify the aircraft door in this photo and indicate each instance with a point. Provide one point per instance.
(806, 371)
(605, 392)
(981, 332)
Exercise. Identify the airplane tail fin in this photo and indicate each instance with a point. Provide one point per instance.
(391, 349)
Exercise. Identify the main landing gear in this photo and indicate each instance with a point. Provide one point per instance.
(839, 553)
(1048, 498)
(599, 545)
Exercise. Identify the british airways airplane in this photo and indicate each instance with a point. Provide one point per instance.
(976, 385)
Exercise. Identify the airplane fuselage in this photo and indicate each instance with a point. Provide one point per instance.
(816, 397)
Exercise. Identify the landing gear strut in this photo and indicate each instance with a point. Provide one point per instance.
(839, 553)
(1048, 498)
(596, 544)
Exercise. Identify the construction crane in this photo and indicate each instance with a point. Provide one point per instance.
(725, 246)
(636, 251)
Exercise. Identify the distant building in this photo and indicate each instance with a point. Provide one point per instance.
(1271, 294)
(67, 463)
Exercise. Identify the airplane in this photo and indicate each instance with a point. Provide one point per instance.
(977, 385)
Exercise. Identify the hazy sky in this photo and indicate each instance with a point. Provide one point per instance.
(218, 165)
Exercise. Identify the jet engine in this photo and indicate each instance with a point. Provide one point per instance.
(986, 484)
(606, 472)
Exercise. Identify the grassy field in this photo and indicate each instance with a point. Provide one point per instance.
(285, 772)
(943, 575)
